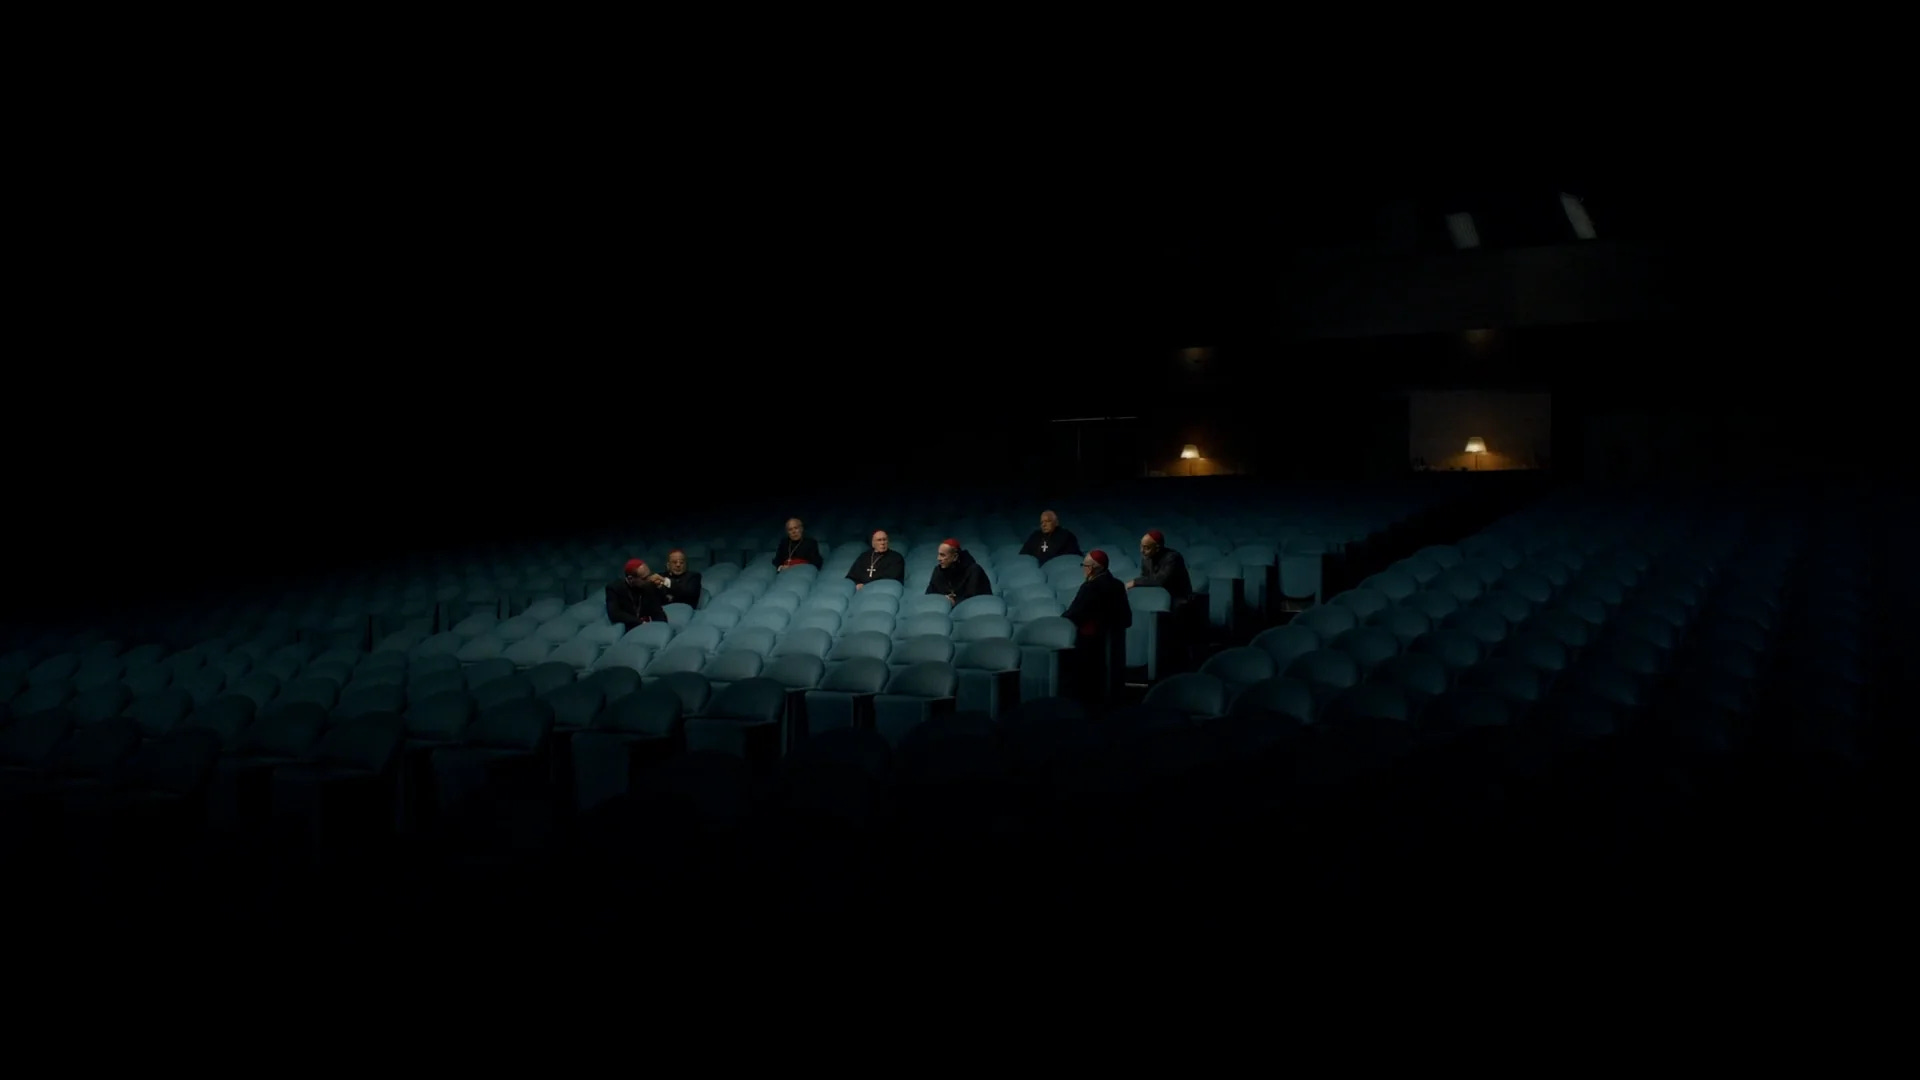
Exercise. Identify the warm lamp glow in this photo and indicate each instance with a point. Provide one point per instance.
(1476, 445)
(1189, 452)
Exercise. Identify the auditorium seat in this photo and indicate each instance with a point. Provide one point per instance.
(989, 677)
(744, 719)
(845, 696)
(501, 755)
(642, 726)
(1195, 695)
(1567, 618)
(1041, 643)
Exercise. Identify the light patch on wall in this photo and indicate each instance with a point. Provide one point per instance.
(1516, 429)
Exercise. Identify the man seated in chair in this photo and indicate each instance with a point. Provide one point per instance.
(1050, 541)
(957, 577)
(877, 563)
(636, 599)
(680, 584)
(1162, 566)
(798, 549)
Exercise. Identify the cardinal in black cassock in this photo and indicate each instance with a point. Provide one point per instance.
(634, 599)
(1102, 613)
(958, 577)
(797, 547)
(1164, 567)
(1050, 541)
(878, 563)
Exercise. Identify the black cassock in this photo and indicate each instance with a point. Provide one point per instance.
(1102, 614)
(1100, 607)
(886, 566)
(1057, 543)
(963, 580)
(631, 605)
(683, 588)
(804, 550)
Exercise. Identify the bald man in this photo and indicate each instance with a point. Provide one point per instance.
(957, 577)
(797, 548)
(680, 584)
(1050, 541)
(1162, 566)
(878, 563)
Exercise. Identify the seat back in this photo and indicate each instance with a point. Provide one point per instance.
(98, 750)
(652, 711)
(796, 671)
(1194, 694)
(367, 744)
(991, 654)
(443, 717)
(290, 732)
(860, 675)
(936, 648)
(754, 700)
(518, 724)
(732, 666)
(931, 679)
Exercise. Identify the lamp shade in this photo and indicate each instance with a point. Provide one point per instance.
(1476, 445)
(1189, 452)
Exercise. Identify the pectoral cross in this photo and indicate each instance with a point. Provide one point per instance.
(869, 571)
(1043, 547)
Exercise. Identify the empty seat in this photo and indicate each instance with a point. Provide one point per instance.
(861, 645)
(1194, 695)
(914, 695)
(343, 795)
(494, 692)
(744, 719)
(1287, 643)
(575, 705)
(225, 718)
(159, 713)
(642, 726)
(501, 757)
(101, 703)
(920, 650)
(845, 696)
(1239, 667)
(982, 627)
(989, 677)
(1328, 671)
(805, 641)
(1421, 674)
(1281, 694)
(1370, 646)
(1041, 643)
(731, 666)
(1327, 620)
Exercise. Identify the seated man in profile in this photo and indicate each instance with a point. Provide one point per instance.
(1162, 566)
(797, 549)
(1050, 541)
(1102, 614)
(680, 584)
(958, 577)
(878, 563)
(635, 600)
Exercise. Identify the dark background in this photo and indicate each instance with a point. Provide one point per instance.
(308, 358)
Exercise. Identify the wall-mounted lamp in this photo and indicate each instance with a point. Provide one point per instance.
(1476, 446)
